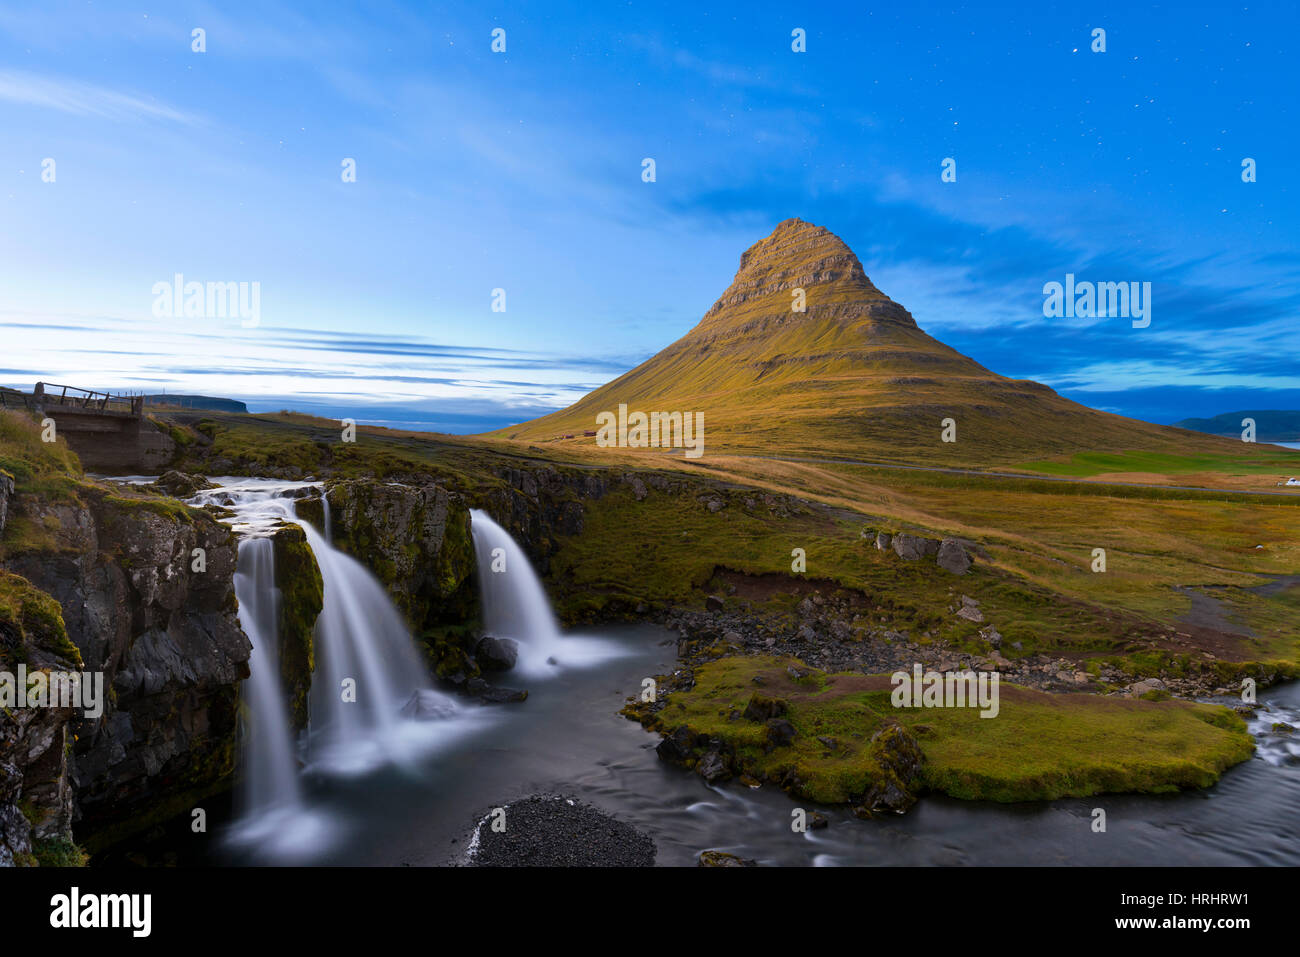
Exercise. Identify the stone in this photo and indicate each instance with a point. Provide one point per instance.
(723, 859)
(763, 708)
(913, 548)
(883, 540)
(496, 654)
(677, 747)
(713, 603)
(970, 613)
(780, 732)
(952, 557)
(713, 768)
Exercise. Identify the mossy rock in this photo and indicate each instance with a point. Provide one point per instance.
(302, 597)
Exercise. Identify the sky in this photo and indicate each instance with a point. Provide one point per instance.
(522, 171)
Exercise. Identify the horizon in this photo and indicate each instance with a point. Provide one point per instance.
(522, 171)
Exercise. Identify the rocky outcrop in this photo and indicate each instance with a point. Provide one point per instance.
(36, 806)
(302, 596)
(6, 493)
(146, 589)
(415, 538)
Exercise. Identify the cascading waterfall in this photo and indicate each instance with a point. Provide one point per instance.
(370, 699)
(515, 605)
(369, 677)
(270, 775)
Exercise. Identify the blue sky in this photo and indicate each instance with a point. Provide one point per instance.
(522, 171)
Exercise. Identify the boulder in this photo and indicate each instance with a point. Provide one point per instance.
(496, 654)
(913, 548)
(713, 603)
(762, 708)
(179, 485)
(780, 732)
(952, 557)
(678, 746)
(883, 540)
(494, 694)
(713, 768)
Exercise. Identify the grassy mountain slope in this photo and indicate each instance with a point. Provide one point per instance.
(852, 376)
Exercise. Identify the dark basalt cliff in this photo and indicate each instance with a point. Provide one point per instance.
(146, 595)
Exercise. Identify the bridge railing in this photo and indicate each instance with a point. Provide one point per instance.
(51, 394)
(13, 399)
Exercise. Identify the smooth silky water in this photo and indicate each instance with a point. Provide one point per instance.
(386, 789)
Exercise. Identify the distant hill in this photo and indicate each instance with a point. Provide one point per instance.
(205, 402)
(851, 376)
(1271, 425)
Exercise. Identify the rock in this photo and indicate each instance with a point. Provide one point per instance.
(713, 768)
(970, 613)
(168, 643)
(180, 485)
(639, 491)
(883, 541)
(713, 603)
(1139, 688)
(734, 638)
(6, 493)
(723, 859)
(426, 706)
(496, 654)
(952, 557)
(913, 548)
(494, 694)
(763, 708)
(678, 746)
(817, 821)
(780, 732)
(992, 636)
(716, 505)
(302, 597)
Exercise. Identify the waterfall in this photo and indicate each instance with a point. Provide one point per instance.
(369, 677)
(270, 774)
(515, 605)
(370, 700)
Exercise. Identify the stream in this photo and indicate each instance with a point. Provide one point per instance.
(430, 778)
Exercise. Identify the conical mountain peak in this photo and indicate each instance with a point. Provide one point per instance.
(803, 354)
(799, 271)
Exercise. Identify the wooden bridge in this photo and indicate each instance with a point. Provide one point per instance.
(109, 433)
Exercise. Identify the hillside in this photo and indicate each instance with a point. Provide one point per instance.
(852, 376)
(1271, 425)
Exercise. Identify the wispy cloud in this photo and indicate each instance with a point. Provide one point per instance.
(84, 99)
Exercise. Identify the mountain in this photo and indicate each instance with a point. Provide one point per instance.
(851, 376)
(1271, 425)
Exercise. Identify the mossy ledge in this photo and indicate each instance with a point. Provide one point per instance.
(302, 597)
(1040, 746)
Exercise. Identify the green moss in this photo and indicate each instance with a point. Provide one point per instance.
(32, 621)
(302, 597)
(57, 852)
(1038, 747)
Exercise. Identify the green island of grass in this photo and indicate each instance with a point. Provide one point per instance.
(1039, 746)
